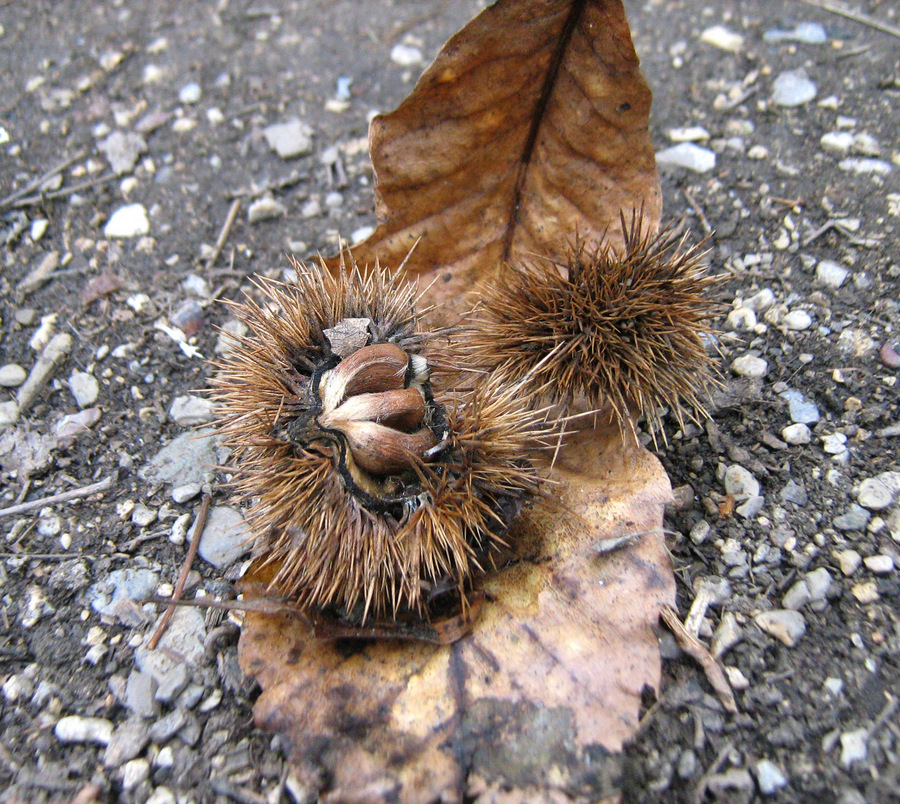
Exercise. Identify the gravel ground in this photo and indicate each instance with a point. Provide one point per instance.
(132, 129)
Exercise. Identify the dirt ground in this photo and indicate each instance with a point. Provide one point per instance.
(818, 717)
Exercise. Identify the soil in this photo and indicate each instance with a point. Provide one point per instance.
(71, 73)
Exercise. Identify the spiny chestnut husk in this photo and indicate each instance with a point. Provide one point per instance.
(619, 328)
(369, 495)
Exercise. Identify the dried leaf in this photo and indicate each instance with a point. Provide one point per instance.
(530, 127)
(540, 694)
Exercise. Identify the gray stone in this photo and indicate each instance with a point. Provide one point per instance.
(809, 33)
(794, 492)
(183, 639)
(181, 494)
(142, 515)
(751, 507)
(762, 301)
(750, 366)
(127, 221)
(12, 375)
(740, 484)
(797, 596)
(190, 410)
(819, 582)
(880, 564)
(848, 561)
(168, 726)
(769, 777)
(874, 495)
(190, 458)
(700, 531)
(831, 274)
(76, 729)
(741, 319)
(687, 764)
(802, 410)
(856, 518)
(793, 88)
(785, 625)
(687, 155)
(122, 150)
(797, 320)
(140, 692)
(128, 740)
(121, 586)
(225, 537)
(9, 413)
(727, 634)
(289, 139)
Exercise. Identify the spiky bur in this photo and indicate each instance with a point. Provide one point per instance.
(369, 495)
(618, 327)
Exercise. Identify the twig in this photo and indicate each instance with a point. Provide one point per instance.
(48, 556)
(836, 225)
(862, 19)
(699, 210)
(199, 525)
(694, 648)
(224, 232)
(13, 197)
(64, 192)
(63, 496)
(712, 770)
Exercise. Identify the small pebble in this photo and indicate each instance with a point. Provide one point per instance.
(750, 366)
(289, 139)
(797, 320)
(866, 592)
(890, 354)
(191, 410)
(833, 686)
(864, 165)
(264, 209)
(853, 746)
(720, 37)
(740, 483)
(762, 301)
(406, 55)
(76, 729)
(797, 434)
(769, 777)
(181, 494)
(831, 274)
(741, 319)
(688, 134)
(793, 88)
(12, 375)
(190, 93)
(225, 536)
(834, 443)
(819, 582)
(142, 515)
(801, 409)
(837, 143)
(687, 155)
(134, 772)
(785, 625)
(856, 518)
(128, 221)
(311, 209)
(874, 495)
(809, 33)
(84, 388)
(797, 596)
(880, 564)
(848, 561)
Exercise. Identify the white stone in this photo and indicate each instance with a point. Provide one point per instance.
(289, 139)
(190, 93)
(769, 777)
(406, 55)
(740, 484)
(687, 155)
(853, 746)
(880, 565)
(741, 319)
(785, 625)
(751, 507)
(84, 388)
(864, 165)
(793, 88)
(834, 443)
(9, 413)
(736, 678)
(831, 274)
(797, 320)
(833, 686)
(38, 229)
(836, 142)
(848, 561)
(856, 341)
(311, 208)
(128, 221)
(819, 582)
(76, 729)
(874, 495)
(162, 795)
(181, 494)
(134, 772)
(688, 134)
(12, 375)
(762, 301)
(143, 515)
(264, 209)
(796, 434)
(719, 36)
(750, 366)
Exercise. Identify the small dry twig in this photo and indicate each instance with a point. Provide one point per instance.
(64, 496)
(199, 525)
(224, 232)
(11, 199)
(694, 648)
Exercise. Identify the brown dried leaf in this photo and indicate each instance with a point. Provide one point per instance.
(539, 695)
(531, 126)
